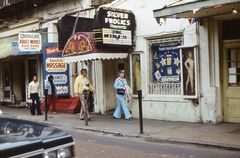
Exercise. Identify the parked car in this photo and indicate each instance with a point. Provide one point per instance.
(26, 139)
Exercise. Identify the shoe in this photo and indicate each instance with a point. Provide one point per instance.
(115, 118)
(40, 114)
(81, 118)
(129, 119)
(54, 113)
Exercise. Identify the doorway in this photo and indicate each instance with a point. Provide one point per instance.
(231, 81)
(110, 72)
(7, 82)
(230, 35)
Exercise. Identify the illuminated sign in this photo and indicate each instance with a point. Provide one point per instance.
(79, 43)
(114, 27)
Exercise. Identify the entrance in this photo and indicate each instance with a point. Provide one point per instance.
(110, 72)
(231, 81)
(7, 82)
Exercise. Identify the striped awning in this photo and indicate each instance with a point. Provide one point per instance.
(95, 56)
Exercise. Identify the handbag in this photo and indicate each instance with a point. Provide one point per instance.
(121, 91)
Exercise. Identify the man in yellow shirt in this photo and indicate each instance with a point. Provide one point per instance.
(82, 88)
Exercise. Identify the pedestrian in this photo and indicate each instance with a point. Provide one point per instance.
(120, 85)
(51, 93)
(82, 89)
(33, 94)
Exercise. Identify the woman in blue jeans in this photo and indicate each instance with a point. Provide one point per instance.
(120, 86)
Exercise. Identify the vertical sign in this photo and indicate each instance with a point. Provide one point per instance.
(53, 64)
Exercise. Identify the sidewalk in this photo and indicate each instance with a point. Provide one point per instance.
(225, 135)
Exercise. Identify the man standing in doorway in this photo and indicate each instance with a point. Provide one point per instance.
(82, 88)
(33, 93)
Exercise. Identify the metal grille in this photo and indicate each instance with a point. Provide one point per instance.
(164, 88)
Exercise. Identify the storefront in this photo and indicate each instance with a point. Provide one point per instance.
(20, 60)
(103, 52)
(218, 46)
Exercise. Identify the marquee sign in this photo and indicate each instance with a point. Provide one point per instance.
(114, 27)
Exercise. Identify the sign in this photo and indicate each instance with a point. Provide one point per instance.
(17, 51)
(117, 37)
(114, 27)
(166, 62)
(53, 64)
(29, 41)
(79, 43)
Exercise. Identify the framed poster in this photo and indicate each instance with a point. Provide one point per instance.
(166, 62)
(189, 72)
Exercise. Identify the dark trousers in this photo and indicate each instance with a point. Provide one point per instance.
(35, 104)
(51, 99)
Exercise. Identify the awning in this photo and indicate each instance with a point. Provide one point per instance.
(198, 9)
(95, 56)
(5, 47)
(81, 47)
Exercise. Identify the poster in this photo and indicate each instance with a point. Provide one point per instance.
(189, 71)
(166, 62)
(53, 64)
(136, 73)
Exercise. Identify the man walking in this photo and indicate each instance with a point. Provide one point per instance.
(82, 88)
(33, 93)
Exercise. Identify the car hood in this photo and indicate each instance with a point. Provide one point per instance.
(19, 136)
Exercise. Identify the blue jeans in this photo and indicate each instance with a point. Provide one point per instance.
(122, 107)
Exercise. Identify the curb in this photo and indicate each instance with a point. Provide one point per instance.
(108, 132)
(191, 142)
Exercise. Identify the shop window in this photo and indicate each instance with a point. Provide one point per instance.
(136, 72)
(233, 60)
(165, 66)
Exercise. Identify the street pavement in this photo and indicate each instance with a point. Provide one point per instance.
(226, 135)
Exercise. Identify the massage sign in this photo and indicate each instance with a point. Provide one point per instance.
(114, 28)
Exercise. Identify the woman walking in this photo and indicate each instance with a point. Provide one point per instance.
(120, 85)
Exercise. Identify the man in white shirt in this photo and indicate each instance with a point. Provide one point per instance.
(33, 93)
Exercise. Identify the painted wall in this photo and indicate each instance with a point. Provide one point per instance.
(174, 108)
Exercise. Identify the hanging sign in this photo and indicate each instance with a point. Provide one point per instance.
(29, 41)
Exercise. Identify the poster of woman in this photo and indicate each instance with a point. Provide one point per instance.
(189, 71)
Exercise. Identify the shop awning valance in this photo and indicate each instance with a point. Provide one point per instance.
(95, 56)
(198, 9)
(81, 47)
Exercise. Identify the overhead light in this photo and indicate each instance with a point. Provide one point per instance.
(35, 4)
